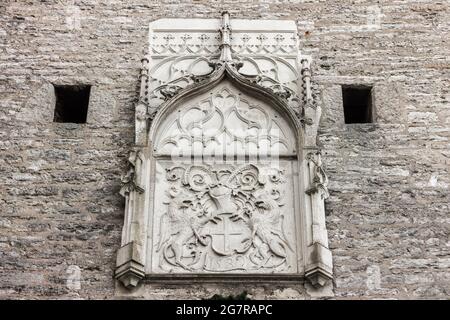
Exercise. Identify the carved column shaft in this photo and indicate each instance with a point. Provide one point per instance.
(317, 192)
(319, 267)
(306, 80)
(143, 93)
(142, 106)
(131, 256)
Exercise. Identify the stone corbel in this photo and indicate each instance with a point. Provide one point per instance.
(130, 264)
(319, 265)
(129, 267)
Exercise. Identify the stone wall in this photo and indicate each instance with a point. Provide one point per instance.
(388, 213)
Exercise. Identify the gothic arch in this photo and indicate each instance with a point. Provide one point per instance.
(226, 71)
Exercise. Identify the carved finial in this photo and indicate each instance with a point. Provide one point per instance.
(225, 46)
(306, 77)
(143, 93)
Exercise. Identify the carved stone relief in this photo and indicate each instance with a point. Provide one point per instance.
(225, 178)
(224, 218)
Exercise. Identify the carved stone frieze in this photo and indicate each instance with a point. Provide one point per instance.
(203, 39)
(182, 43)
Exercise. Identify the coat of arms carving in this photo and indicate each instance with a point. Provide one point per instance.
(224, 218)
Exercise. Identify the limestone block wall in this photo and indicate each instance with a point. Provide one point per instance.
(388, 212)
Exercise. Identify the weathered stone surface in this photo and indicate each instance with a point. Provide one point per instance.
(388, 220)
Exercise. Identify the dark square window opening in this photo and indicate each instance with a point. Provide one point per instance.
(72, 103)
(357, 104)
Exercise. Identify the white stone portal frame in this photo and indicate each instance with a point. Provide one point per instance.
(260, 60)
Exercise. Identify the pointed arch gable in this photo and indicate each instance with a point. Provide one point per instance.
(247, 85)
(244, 122)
